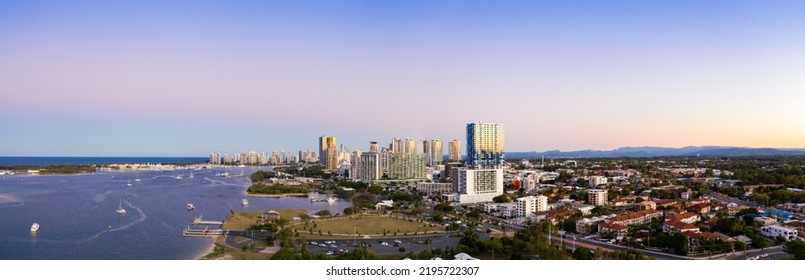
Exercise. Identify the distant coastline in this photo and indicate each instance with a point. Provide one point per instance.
(51, 161)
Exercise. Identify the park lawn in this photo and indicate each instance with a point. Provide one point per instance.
(372, 225)
(243, 220)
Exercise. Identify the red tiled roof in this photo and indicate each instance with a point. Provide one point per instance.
(633, 215)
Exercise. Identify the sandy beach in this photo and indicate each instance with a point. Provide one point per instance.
(209, 250)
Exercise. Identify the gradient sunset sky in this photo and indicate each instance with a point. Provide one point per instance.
(184, 78)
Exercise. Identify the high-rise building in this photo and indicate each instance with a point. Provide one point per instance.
(597, 197)
(252, 157)
(328, 152)
(526, 206)
(455, 150)
(370, 167)
(433, 152)
(403, 166)
(410, 147)
(482, 180)
(397, 146)
(485, 145)
(479, 185)
(355, 164)
(374, 147)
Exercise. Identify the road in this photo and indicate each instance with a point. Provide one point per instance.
(775, 252)
(414, 244)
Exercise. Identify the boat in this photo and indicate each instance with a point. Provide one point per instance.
(120, 208)
(190, 206)
(179, 177)
(331, 200)
(313, 199)
(223, 174)
(138, 178)
(191, 175)
(129, 184)
(35, 227)
(244, 202)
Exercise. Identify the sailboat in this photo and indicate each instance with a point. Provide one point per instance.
(120, 208)
(191, 175)
(138, 178)
(129, 184)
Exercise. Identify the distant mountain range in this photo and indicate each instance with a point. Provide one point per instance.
(660, 152)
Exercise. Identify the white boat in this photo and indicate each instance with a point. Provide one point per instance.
(178, 177)
(138, 178)
(191, 175)
(120, 208)
(35, 227)
(331, 200)
(129, 184)
(244, 202)
(224, 174)
(190, 206)
(313, 199)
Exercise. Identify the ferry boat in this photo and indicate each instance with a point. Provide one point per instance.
(35, 227)
(190, 206)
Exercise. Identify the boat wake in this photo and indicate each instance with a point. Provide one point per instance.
(6, 200)
(101, 196)
(216, 182)
(123, 227)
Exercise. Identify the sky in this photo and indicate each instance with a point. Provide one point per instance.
(186, 78)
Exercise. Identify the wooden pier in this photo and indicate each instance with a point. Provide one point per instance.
(188, 232)
(200, 221)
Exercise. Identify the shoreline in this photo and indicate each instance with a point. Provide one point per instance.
(276, 195)
(210, 249)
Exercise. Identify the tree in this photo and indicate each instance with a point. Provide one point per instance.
(375, 189)
(796, 248)
(348, 211)
(740, 246)
(582, 253)
(324, 213)
(503, 198)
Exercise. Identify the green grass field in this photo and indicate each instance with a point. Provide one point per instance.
(243, 220)
(372, 225)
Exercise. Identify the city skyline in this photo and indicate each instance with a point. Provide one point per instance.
(129, 78)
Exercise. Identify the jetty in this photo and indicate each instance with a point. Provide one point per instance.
(188, 232)
(200, 221)
(206, 232)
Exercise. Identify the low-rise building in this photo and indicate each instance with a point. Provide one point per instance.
(636, 218)
(608, 227)
(678, 226)
(773, 231)
(766, 221)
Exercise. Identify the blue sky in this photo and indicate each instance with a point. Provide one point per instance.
(183, 78)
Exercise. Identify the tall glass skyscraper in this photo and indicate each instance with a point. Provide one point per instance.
(485, 145)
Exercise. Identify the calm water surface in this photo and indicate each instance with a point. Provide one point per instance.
(78, 219)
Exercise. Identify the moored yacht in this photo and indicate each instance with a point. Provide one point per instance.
(190, 206)
(35, 227)
(244, 202)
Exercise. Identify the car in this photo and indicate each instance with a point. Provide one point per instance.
(330, 253)
(765, 255)
(397, 241)
(322, 245)
(384, 243)
(333, 246)
(314, 243)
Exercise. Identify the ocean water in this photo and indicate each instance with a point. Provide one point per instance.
(16, 161)
(78, 219)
